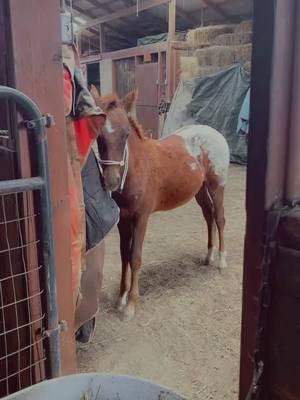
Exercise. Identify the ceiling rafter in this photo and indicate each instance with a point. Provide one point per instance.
(126, 12)
(150, 17)
(219, 10)
(187, 16)
(109, 9)
(85, 14)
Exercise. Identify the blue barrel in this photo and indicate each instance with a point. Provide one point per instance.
(95, 387)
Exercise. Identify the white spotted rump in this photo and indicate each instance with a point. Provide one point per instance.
(201, 139)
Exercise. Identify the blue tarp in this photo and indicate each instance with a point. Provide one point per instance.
(243, 122)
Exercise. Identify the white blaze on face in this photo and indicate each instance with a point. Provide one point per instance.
(202, 138)
(108, 126)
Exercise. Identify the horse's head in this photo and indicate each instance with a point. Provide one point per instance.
(113, 147)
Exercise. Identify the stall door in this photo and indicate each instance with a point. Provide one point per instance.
(146, 76)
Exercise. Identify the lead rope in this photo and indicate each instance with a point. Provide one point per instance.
(125, 172)
(137, 7)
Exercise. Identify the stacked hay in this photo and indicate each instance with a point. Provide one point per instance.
(233, 39)
(206, 71)
(204, 36)
(215, 56)
(245, 26)
(188, 67)
(243, 53)
(217, 47)
(247, 67)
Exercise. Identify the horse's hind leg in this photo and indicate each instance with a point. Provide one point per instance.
(205, 202)
(125, 231)
(139, 231)
(217, 195)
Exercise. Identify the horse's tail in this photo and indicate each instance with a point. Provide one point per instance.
(208, 198)
(204, 199)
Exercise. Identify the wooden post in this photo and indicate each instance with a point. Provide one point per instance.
(171, 36)
(37, 71)
(78, 37)
(102, 39)
(172, 20)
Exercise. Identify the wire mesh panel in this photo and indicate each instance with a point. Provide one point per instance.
(21, 314)
(29, 329)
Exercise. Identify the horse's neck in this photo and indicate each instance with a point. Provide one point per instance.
(138, 149)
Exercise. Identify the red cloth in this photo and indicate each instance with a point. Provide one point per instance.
(81, 134)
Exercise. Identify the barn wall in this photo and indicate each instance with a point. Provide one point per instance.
(106, 77)
(125, 76)
(37, 69)
(270, 353)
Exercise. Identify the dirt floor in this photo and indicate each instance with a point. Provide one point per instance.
(186, 332)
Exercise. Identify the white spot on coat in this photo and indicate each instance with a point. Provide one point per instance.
(203, 138)
(194, 165)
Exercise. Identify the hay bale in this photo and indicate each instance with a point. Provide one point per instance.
(188, 67)
(206, 71)
(243, 53)
(200, 54)
(247, 67)
(242, 38)
(233, 39)
(216, 56)
(203, 36)
(224, 40)
(245, 26)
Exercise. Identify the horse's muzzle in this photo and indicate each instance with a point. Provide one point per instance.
(112, 184)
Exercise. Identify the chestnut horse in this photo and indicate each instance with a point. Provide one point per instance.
(148, 175)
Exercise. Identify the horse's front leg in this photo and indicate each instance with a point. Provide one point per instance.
(139, 231)
(125, 231)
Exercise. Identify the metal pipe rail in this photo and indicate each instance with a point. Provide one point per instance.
(36, 123)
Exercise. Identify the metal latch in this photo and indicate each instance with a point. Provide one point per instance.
(66, 27)
(61, 327)
(47, 120)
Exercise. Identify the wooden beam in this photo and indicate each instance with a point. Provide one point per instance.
(126, 53)
(172, 20)
(143, 5)
(102, 39)
(219, 10)
(153, 19)
(83, 14)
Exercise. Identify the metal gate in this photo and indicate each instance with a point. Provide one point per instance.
(29, 329)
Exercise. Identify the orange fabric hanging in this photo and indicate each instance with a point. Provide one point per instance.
(81, 134)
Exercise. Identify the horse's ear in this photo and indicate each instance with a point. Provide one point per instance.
(129, 101)
(95, 92)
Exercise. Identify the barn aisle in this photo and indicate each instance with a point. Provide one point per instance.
(186, 333)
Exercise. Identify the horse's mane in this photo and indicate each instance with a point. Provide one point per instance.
(138, 129)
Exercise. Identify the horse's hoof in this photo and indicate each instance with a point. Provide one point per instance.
(222, 261)
(128, 313)
(122, 302)
(210, 258)
(209, 261)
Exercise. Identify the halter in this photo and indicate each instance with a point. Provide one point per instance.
(123, 163)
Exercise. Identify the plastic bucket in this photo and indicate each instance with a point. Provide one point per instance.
(95, 387)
